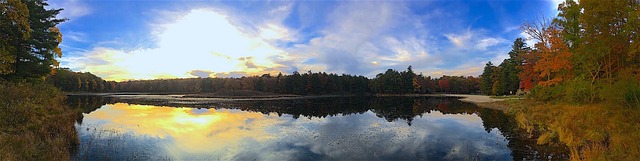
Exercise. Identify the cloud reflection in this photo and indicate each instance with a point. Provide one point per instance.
(223, 134)
(189, 130)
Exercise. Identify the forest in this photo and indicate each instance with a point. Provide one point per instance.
(390, 82)
(588, 54)
(581, 79)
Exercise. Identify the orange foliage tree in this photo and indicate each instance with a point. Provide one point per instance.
(550, 62)
(554, 63)
(528, 77)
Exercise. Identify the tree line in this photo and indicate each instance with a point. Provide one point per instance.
(407, 82)
(309, 83)
(589, 53)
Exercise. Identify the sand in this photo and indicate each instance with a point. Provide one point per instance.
(475, 98)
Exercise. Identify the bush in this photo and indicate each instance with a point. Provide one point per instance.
(632, 96)
(35, 124)
(580, 91)
(624, 92)
(598, 131)
(547, 94)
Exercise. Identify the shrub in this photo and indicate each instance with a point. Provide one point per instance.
(34, 122)
(625, 93)
(547, 94)
(632, 96)
(579, 91)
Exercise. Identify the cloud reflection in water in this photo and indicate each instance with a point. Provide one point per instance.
(231, 134)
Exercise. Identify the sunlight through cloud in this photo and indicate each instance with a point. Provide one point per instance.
(201, 40)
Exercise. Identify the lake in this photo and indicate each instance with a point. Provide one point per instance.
(169, 127)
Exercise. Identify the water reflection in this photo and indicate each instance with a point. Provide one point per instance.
(344, 128)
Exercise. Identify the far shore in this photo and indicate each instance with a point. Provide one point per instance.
(482, 101)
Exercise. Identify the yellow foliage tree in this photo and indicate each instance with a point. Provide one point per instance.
(14, 23)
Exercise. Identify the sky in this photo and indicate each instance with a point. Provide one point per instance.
(144, 39)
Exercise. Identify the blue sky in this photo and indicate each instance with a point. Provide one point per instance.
(121, 40)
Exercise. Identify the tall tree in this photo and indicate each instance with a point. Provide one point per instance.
(554, 64)
(508, 76)
(486, 84)
(14, 29)
(568, 21)
(407, 80)
(34, 56)
(611, 27)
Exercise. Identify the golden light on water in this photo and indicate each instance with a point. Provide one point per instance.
(191, 130)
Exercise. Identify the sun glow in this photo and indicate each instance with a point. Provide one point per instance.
(201, 40)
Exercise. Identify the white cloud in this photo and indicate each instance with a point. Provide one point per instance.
(487, 42)
(201, 40)
(72, 9)
(74, 36)
(512, 28)
(528, 39)
(351, 39)
(459, 40)
(347, 42)
(275, 32)
(555, 3)
(358, 41)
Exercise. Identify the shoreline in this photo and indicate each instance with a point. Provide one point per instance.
(482, 101)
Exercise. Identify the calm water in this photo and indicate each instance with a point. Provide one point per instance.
(343, 128)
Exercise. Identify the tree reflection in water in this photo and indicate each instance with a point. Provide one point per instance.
(391, 109)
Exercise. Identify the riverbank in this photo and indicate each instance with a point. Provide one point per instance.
(483, 101)
(35, 124)
(600, 131)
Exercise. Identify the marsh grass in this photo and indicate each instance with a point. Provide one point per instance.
(35, 124)
(602, 131)
(111, 144)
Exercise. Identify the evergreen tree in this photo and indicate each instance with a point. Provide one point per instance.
(33, 46)
(486, 84)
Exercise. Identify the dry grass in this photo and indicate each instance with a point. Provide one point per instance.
(592, 132)
(34, 123)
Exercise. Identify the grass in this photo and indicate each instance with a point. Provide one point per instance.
(592, 132)
(110, 144)
(35, 124)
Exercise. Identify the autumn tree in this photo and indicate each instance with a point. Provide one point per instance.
(528, 76)
(554, 63)
(609, 29)
(444, 85)
(14, 24)
(550, 62)
(29, 47)
(592, 44)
